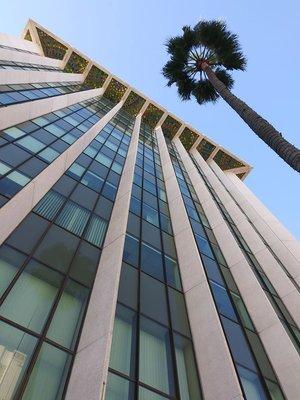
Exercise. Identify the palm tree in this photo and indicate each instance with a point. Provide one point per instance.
(199, 65)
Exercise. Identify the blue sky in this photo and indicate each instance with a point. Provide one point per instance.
(128, 38)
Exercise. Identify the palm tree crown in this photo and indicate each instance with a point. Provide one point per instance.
(199, 65)
(208, 42)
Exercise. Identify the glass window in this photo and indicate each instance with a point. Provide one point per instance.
(133, 224)
(31, 144)
(49, 154)
(84, 196)
(122, 356)
(260, 355)
(96, 231)
(238, 344)
(13, 155)
(243, 313)
(85, 264)
(76, 170)
(186, 369)
(212, 269)
(155, 360)
(104, 207)
(28, 233)
(10, 262)
(49, 205)
(153, 299)
(16, 348)
(73, 218)
(31, 298)
(151, 234)
(50, 371)
(32, 167)
(204, 247)
(68, 315)
(57, 248)
(169, 245)
(118, 388)
(178, 312)
(12, 183)
(222, 300)
(4, 168)
(131, 250)
(145, 394)
(274, 390)
(172, 273)
(14, 132)
(251, 384)
(128, 286)
(64, 185)
(135, 206)
(93, 181)
(150, 214)
(151, 261)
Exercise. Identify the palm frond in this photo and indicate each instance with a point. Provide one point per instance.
(208, 41)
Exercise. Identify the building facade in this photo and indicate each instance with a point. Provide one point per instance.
(135, 264)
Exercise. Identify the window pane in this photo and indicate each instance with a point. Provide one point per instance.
(155, 362)
(85, 264)
(274, 390)
(151, 261)
(212, 269)
(122, 356)
(260, 355)
(145, 394)
(49, 205)
(128, 286)
(68, 315)
(238, 344)
(172, 272)
(96, 231)
(186, 369)
(10, 262)
(131, 250)
(223, 301)
(118, 388)
(251, 384)
(16, 348)
(57, 248)
(73, 218)
(178, 312)
(49, 372)
(31, 298)
(153, 299)
(243, 313)
(28, 233)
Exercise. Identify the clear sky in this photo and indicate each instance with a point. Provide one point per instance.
(128, 36)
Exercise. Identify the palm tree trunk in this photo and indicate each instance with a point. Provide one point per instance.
(265, 131)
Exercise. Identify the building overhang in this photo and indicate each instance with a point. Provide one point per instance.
(97, 76)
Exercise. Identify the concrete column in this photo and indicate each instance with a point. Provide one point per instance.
(13, 212)
(274, 224)
(17, 113)
(89, 373)
(278, 238)
(281, 352)
(217, 372)
(11, 76)
(284, 287)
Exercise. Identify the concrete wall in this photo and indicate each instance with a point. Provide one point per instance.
(281, 352)
(217, 372)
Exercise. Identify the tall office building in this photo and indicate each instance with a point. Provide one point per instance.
(135, 264)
